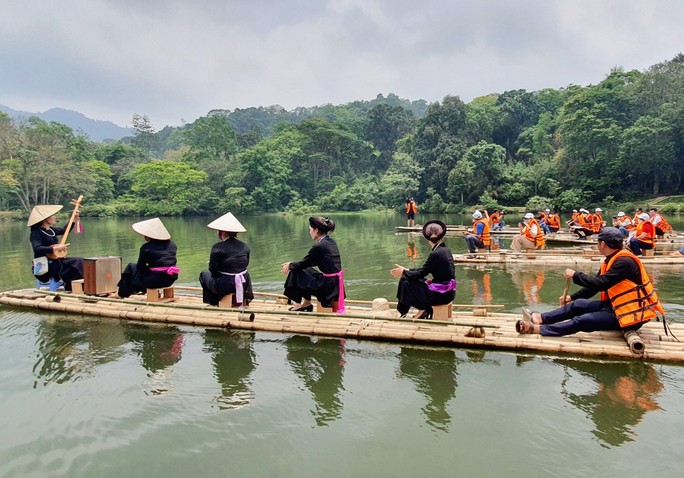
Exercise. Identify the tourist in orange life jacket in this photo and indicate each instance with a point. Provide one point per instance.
(497, 220)
(628, 299)
(636, 215)
(543, 219)
(411, 210)
(531, 235)
(554, 222)
(414, 289)
(574, 218)
(598, 223)
(480, 238)
(659, 222)
(644, 238)
(623, 223)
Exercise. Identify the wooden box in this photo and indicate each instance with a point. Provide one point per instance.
(101, 274)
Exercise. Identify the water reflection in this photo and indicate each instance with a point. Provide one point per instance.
(482, 285)
(411, 249)
(320, 365)
(70, 349)
(234, 361)
(529, 284)
(159, 348)
(624, 393)
(433, 372)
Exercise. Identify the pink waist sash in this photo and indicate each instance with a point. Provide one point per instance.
(340, 296)
(170, 270)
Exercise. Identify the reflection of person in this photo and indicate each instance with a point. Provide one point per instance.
(303, 281)
(433, 371)
(625, 393)
(480, 238)
(411, 249)
(234, 362)
(44, 239)
(644, 236)
(531, 235)
(320, 365)
(414, 290)
(156, 266)
(228, 263)
(532, 286)
(481, 295)
(411, 210)
(628, 298)
(159, 347)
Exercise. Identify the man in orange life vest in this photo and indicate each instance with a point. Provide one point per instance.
(628, 299)
(531, 236)
(659, 222)
(411, 210)
(480, 238)
(644, 237)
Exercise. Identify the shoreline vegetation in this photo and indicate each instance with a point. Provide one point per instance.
(618, 145)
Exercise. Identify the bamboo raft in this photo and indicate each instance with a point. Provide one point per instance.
(559, 257)
(477, 326)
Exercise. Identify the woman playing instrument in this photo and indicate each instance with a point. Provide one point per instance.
(228, 263)
(303, 281)
(47, 249)
(414, 290)
(156, 266)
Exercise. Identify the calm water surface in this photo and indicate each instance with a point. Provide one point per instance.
(97, 398)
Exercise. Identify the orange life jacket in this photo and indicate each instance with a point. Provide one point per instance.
(576, 216)
(527, 232)
(663, 225)
(598, 223)
(650, 238)
(485, 237)
(554, 221)
(632, 303)
(411, 207)
(495, 217)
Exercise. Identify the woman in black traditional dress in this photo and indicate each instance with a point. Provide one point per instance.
(156, 266)
(45, 241)
(414, 290)
(228, 263)
(303, 281)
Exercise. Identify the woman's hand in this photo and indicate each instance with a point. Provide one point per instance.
(59, 247)
(285, 268)
(398, 271)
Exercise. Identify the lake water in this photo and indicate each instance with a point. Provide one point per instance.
(85, 397)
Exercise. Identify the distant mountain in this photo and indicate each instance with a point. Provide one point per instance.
(96, 130)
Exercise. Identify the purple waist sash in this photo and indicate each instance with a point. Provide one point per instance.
(441, 288)
(170, 270)
(340, 296)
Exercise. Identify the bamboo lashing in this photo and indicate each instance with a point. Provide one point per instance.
(63, 242)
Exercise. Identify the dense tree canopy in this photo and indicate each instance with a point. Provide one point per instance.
(620, 139)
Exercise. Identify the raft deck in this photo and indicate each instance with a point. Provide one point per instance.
(463, 330)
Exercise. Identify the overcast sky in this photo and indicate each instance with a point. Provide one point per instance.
(175, 60)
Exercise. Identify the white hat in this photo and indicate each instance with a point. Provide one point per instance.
(547, 210)
(584, 211)
(529, 215)
(644, 216)
(574, 210)
(227, 223)
(598, 209)
(477, 215)
(42, 212)
(620, 214)
(152, 228)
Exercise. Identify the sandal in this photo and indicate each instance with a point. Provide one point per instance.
(524, 327)
(528, 315)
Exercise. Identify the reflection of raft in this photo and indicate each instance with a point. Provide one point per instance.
(272, 315)
(559, 258)
(457, 230)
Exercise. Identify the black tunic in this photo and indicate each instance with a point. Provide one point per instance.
(413, 290)
(137, 277)
(303, 281)
(65, 269)
(227, 258)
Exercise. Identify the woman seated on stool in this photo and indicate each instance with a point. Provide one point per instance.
(228, 263)
(156, 266)
(303, 281)
(45, 241)
(414, 290)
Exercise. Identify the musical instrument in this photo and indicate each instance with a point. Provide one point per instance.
(63, 252)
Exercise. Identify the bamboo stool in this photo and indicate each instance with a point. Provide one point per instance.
(441, 312)
(327, 310)
(164, 294)
(648, 252)
(77, 286)
(529, 253)
(226, 301)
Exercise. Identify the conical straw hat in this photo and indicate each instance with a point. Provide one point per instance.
(152, 228)
(39, 213)
(227, 223)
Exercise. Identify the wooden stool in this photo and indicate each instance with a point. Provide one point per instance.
(495, 246)
(226, 301)
(529, 253)
(648, 252)
(164, 294)
(77, 286)
(441, 312)
(326, 310)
